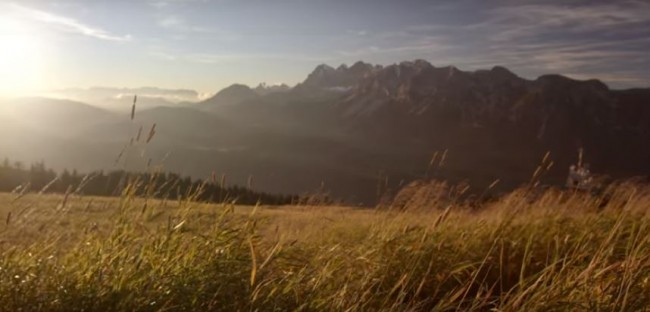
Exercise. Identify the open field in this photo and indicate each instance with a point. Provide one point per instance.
(555, 251)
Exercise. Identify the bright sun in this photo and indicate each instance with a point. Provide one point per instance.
(20, 58)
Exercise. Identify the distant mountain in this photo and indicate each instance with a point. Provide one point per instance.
(232, 95)
(99, 93)
(35, 129)
(121, 99)
(494, 124)
(498, 123)
(264, 89)
(359, 130)
(53, 116)
(339, 79)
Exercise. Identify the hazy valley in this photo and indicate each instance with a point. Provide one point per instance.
(349, 129)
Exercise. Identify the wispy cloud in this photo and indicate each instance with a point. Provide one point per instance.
(216, 58)
(360, 33)
(426, 45)
(537, 19)
(163, 55)
(223, 58)
(603, 39)
(173, 22)
(409, 40)
(163, 4)
(66, 24)
(180, 29)
(583, 40)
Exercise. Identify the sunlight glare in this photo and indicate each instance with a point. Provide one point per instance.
(20, 58)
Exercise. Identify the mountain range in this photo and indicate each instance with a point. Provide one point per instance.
(353, 130)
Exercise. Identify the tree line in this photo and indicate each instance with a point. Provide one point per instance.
(16, 177)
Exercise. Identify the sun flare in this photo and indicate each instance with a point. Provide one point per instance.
(20, 58)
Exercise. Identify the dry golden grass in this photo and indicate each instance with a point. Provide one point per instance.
(528, 251)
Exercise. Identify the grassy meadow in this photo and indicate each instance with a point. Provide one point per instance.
(527, 251)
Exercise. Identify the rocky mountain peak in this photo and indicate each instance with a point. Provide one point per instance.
(325, 76)
(264, 89)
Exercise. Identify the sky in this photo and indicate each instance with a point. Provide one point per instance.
(207, 45)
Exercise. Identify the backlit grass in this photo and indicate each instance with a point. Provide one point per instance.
(557, 251)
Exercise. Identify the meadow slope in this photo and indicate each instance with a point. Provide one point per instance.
(528, 251)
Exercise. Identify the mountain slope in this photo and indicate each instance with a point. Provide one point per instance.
(352, 127)
(53, 116)
(232, 95)
(502, 120)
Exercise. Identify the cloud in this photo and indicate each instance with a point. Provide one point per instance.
(67, 24)
(181, 29)
(216, 58)
(163, 55)
(537, 19)
(583, 40)
(224, 58)
(176, 23)
(164, 4)
(359, 33)
(97, 94)
(427, 45)
(408, 40)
